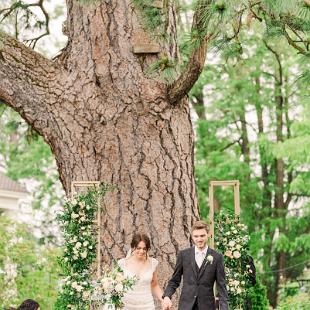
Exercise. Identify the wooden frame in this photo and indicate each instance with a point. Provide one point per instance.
(212, 184)
(86, 184)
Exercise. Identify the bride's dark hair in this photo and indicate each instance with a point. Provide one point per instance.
(137, 238)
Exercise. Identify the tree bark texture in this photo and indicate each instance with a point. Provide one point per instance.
(105, 120)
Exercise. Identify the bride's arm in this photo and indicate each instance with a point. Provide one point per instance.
(156, 290)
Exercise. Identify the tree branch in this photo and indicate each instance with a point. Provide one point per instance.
(25, 7)
(188, 78)
(231, 144)
(26, 79)
(179, 88)
(293, 43)
(280, 79)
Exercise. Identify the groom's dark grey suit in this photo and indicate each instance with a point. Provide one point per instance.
(198, 282)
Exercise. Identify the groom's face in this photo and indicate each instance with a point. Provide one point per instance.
(200, 238)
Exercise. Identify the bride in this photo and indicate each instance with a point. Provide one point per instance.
(138, 263)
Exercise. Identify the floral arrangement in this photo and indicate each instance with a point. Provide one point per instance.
(77, 222)
(232, 240)
(110, 289)
(209, 259)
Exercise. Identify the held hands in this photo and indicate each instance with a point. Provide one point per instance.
(166, 303)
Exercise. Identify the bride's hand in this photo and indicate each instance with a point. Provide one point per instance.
(166, 303)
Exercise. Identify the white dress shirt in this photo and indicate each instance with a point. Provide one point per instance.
(200, 255)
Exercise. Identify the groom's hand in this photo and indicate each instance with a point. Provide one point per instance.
(167, 304)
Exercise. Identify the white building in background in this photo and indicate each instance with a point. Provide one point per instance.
(11, 194)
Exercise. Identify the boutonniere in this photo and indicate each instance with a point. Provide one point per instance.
(209, 260)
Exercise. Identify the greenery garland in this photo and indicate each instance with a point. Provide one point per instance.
(77, 222)
(232, 240)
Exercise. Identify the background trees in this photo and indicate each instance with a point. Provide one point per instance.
(254, 101)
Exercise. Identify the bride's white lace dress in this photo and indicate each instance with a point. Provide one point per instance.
(140, 296)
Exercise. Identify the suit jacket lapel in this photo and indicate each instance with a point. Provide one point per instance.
(204, 263)
(193, 261)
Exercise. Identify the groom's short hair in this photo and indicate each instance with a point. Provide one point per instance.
(200, 225)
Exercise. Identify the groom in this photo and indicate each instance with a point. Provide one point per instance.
(200, 267)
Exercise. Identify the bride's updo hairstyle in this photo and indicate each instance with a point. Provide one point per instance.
(137, 238)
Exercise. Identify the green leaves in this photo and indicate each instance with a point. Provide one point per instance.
(232, 240)
(151, 17)
(238, 139)
(80, 235)
(35, 266)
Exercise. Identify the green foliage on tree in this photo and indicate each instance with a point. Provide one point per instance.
(248, 106)
(28, 270)
(25, 156)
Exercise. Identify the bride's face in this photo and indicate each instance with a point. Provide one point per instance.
(140, 250)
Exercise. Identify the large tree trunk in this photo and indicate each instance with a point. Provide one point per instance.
(105, 120)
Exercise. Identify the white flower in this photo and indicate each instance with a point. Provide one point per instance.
(236, 282)
(119, 277)
(79, 288)
(84, 254)
(88, 208)
(236, 254)
(119, 287)
(74, 284)
(106, 283)
(231, 243)
(74, 201)
(238, 246)
(210, 259)
(85, 243)
(78, 245)
(74, 215)
(239, 290)
(86, 295)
